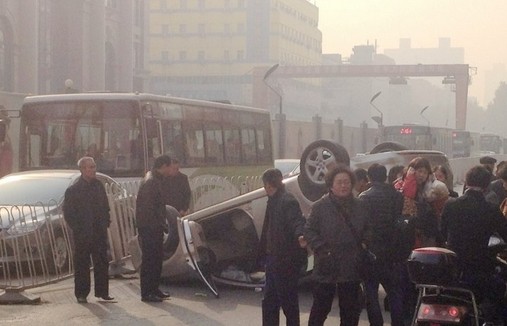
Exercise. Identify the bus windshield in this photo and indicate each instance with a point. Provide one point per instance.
(58, 134)
(491, 143)
(413, 137)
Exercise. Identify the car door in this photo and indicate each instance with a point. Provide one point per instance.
(196, 252)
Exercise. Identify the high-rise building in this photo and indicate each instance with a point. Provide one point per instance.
(443, 54)
(492, 80)
(98, 44)
(206, 49)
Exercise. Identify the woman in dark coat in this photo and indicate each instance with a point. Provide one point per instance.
(333, 231)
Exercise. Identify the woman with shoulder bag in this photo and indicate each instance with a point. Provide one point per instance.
(332, 230)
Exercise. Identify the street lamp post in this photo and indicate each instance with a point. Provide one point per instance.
(281, 117)
(381, 120)
(422, 111)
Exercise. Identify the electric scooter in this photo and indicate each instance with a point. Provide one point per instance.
(442, 298)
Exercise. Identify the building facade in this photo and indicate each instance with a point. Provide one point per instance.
(206, 49)
(98, 44)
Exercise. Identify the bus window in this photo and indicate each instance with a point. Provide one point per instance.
(263, 145)
(232, 143)
(194, 141)
(248, 153)
(173, 140)
(214, 145)
(154, 145)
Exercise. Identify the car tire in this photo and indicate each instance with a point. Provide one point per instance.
(388, 146)
(317, 158)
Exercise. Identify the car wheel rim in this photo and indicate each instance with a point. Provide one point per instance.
(317, 164)
(60, 255)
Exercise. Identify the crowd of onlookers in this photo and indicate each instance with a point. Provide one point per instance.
(380, 214)
(361, 233)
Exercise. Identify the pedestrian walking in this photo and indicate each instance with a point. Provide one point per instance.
(332, 230)
(86, 211)
(282, 250)
(151, 224)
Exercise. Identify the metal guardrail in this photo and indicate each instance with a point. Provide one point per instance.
(210, 190)
(36, 249)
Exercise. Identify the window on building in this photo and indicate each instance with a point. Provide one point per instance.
(241, 3)
(241, 28)
(183, 55)
(201, 4)
(183, 28)
(227, 29)
(165, 29)
(165, 56)
(201, 29)
(240, 55)
(110, 3)
(2, 58)
(227, 56)
(200, 56)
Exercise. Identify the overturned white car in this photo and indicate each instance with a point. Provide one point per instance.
(221, 242)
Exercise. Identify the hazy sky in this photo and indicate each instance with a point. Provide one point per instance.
(478, 26)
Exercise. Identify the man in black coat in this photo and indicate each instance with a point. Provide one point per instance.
(384, 205)
(467, 224)
(151, 223)
(86, 211)
(497, 186)
(281, 247)
(176, 190)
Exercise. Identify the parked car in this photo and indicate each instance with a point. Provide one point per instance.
(221, 242)
(31, 221)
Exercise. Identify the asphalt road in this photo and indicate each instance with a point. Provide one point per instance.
(190, 304)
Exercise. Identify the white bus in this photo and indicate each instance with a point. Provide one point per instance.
(125, 132)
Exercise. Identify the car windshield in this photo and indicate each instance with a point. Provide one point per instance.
(19, 191)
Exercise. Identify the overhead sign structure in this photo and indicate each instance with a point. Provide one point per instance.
(458, 73)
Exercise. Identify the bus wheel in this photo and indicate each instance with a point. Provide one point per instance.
(388, 146)
(317, 159)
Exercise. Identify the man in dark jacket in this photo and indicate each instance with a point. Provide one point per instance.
(467, 224)
(384, 205)
(281, 247)
(86, 211)
(151, 223)
(176, 189)
(496, 186)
